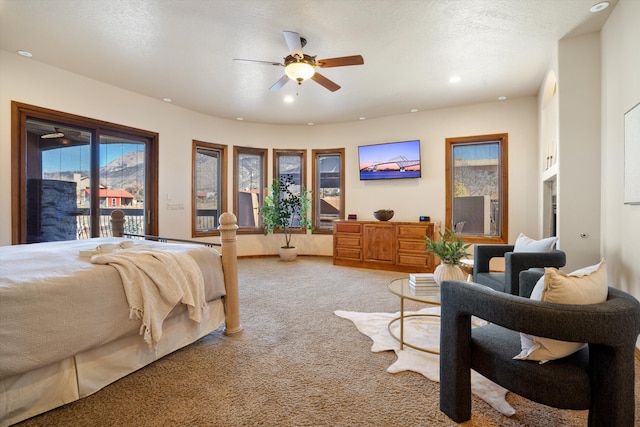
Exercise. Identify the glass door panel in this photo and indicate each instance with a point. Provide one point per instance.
(57, 173)
(122, 183)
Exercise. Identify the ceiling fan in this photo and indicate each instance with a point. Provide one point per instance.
(60, 134)
(299, 66)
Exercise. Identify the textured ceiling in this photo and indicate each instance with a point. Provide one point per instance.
(184, 50)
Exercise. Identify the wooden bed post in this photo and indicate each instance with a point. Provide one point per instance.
(228, 227)
(117, 223)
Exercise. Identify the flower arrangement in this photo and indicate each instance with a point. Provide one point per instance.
(449, 248)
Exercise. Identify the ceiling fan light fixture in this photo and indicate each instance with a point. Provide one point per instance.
(299, 71)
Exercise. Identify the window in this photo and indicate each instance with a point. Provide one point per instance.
(70, 173)
(476, 181)
(328, 189)
(291, 163)
(249, 184)
(208, 200)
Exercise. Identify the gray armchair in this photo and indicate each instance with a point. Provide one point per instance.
(514, 263)
(600, 377)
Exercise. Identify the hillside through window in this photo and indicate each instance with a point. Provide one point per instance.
(328, 189)
(209, 187)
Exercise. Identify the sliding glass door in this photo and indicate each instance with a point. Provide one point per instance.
(73, 172)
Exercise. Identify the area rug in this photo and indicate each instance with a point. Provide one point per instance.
(424, 332)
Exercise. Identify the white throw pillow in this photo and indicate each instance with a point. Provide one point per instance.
(588, 285)
(527, 244)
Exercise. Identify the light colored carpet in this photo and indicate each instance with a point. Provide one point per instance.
(422, 330)
(295, 364)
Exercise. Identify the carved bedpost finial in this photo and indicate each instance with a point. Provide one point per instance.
(117, 223)
(228, 227)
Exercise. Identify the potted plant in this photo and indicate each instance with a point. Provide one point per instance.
(450, 249)
(286, 209)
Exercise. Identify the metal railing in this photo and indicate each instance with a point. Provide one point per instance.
(206, 219)
(134, 222)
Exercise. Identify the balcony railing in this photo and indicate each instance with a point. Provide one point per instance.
(134, 222)
(207, 219)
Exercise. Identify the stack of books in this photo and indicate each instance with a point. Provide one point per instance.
(423, 284)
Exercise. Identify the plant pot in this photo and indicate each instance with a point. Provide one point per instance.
(288, 254)
(447, 272)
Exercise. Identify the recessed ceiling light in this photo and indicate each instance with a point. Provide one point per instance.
(502, 98)
(363, 118)
(599, 6)
(288, 99)
(310, 124)
(167, 99)
(454, 79)
(25, 53)
(414, 110)
(240, 119)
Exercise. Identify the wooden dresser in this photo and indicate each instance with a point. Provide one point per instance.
(383, 245)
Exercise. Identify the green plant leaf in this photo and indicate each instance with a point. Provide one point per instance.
(283, 206)
(449, 247)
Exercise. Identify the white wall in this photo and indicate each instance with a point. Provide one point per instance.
(25, 80)
(620, 44)
(579, 142)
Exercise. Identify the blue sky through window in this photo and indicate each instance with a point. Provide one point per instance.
(476, 151)
(77, 158)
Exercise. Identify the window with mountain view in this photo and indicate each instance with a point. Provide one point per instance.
(328, 189)
(75, 172)
(209, 187)
(291, 163)
(476, 182)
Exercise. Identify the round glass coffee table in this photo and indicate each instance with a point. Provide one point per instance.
(402, 288)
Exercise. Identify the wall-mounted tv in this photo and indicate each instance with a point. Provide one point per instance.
(391, 160)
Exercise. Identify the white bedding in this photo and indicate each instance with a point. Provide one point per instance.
(55, 304)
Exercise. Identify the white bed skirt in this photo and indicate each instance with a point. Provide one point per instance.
(25, 395)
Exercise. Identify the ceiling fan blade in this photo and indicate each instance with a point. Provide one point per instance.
(277, 85)
(294, 43)
(340, 62)
(323, 81)
(260, 62)
(53, 135)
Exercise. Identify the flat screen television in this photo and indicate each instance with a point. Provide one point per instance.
(391, 160)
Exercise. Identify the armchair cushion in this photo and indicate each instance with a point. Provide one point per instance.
(584, 286)
(527, 244)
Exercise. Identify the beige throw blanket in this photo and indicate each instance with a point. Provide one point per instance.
(154, 283)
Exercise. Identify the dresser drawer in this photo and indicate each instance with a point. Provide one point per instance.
(347, 240)
(414, 232)
(421, 261)
(347, 227)
(348, 253)
(412, 246)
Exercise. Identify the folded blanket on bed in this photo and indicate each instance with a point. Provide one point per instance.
(154, 283)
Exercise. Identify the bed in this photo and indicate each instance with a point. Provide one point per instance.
(67, 326)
